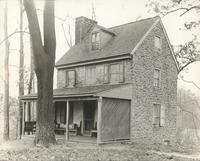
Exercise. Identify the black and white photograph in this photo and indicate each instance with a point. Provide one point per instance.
(99, 80)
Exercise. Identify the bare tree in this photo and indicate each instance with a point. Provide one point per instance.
(6, 79)
(21, 68)
(31, 75)
(189, 52)
(44, 60)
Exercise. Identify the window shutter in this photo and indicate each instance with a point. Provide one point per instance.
(106, 74)
(73, 75)
(121, 72)
(154, 114)
(66, 78)
(59, 79)
(162, 115)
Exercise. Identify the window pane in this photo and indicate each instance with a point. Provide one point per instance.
(91, 75)
(156, 77)
(156, 73)
(97, 36)
(121, 72)
(157, 42)
(106, 77)
(93, 37)
(156, 114)
(70, 78)
(162, 115)
(114, 73)
(95, 41)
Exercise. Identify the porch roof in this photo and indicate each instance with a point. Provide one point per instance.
(121, 91)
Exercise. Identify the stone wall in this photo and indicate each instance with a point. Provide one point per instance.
(145, 60)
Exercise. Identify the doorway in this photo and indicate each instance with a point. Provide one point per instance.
(89, 108)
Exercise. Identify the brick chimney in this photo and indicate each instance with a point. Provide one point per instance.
(82, 27)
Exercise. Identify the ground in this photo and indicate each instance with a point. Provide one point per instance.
(24, 150)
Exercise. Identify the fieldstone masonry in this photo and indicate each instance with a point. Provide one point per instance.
(145, 60)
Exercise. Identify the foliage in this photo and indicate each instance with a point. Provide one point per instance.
(189, 52)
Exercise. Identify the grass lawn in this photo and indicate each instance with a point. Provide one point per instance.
(24, 150)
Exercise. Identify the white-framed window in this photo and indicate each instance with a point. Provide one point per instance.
(90, 75)
(157, 78)
(157, 42)
(116, 73)
(106, 74)
(61, 76)
(96, 41)
(158, 115)
(70, 78)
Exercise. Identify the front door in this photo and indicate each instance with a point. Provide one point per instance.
(89, 112)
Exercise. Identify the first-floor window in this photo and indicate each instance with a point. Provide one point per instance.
(158, 115)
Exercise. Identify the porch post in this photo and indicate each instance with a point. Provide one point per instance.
(99, 120)
(67, 120)
(23, 116)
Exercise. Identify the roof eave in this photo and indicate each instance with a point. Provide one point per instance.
(95, 61)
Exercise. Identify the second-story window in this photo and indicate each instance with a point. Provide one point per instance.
(156, 78)
(96, 41)
(116, 72)
(90, 75)
(70, 78)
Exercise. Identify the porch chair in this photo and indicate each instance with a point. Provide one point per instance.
(73, 128)
(59, 129)
(94, 130)
(30, 126)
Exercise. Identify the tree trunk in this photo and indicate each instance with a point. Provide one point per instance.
(45, 112)
(21, 69)
(44, 60)
(31, 77)
(6, 79)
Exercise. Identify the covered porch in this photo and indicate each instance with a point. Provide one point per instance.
(99, 114)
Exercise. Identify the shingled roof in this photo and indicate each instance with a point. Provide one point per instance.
(127, 37)
(80, 91)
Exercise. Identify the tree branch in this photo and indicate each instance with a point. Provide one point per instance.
(175, 10)
(189, 9)
(6, 38)
(66, 36)
(184, 66)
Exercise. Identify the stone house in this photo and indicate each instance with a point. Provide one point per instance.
(115, 84)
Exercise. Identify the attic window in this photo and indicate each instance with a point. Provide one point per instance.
(157, 42)
(96, 41)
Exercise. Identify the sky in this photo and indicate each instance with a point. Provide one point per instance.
(108, 13)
